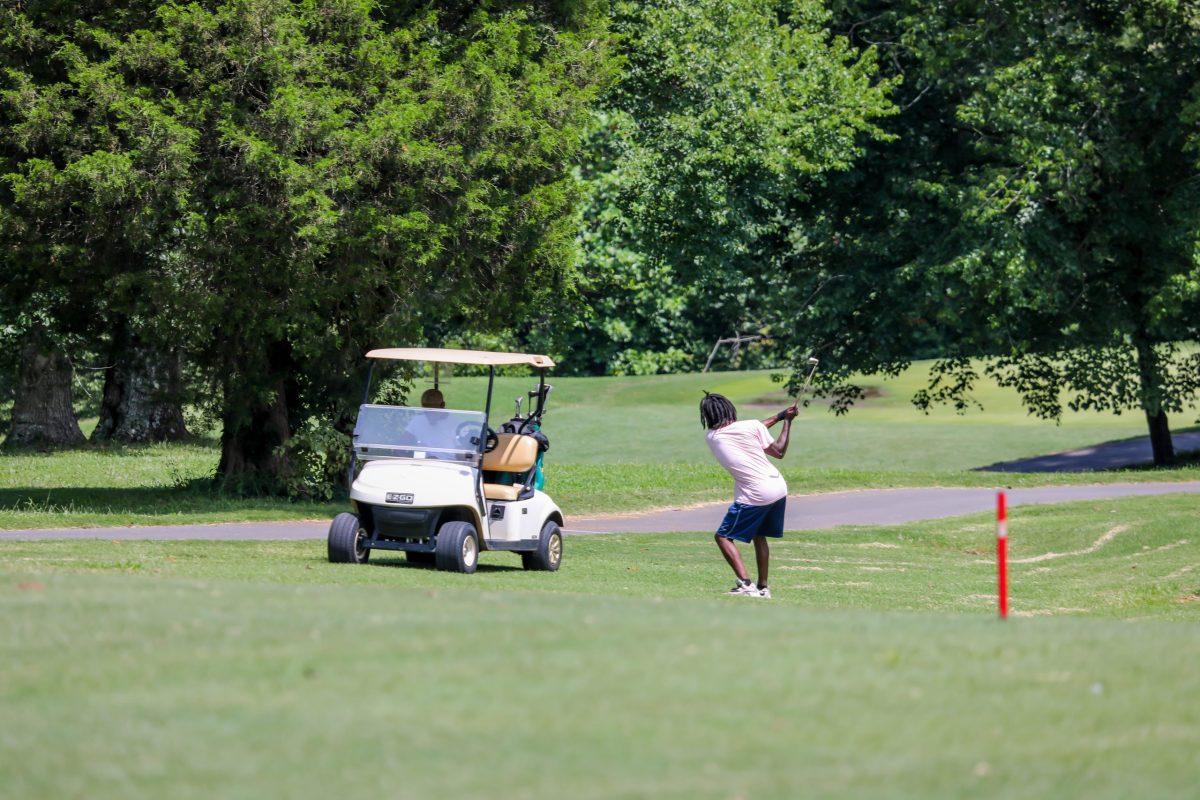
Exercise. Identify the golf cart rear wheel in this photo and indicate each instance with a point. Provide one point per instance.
(457, 547)
(347, 538)
(548, 554)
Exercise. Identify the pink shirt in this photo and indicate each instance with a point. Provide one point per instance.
(739, 449)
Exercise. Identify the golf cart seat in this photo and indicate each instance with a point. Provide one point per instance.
(514, 453)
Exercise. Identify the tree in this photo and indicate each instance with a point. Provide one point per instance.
(728, 118)
(1039, 208)
(278, 186)
(366, 177)
(92, 177)
(1093, 197)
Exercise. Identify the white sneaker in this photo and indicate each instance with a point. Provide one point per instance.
(764, 592)
(748, 588)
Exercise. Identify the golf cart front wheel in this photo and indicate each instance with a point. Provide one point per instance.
(347, 538)
(457, 547)
(548, 554)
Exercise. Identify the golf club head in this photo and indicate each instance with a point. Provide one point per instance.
(541, 394)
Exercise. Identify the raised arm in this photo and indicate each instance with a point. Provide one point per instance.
(778, 448)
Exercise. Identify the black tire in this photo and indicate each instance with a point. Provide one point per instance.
(457, 547)
(422, 558)
(548, 555)
(346, 539)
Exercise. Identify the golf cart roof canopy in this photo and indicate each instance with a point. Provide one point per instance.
(451, 356)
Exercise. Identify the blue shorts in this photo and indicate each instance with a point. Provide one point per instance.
(743, 522)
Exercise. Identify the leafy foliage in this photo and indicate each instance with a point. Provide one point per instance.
(93, 176)
(318, 461)
(282, 185)
(727, 119)
(1039, 205)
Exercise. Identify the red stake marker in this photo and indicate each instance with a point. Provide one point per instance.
(1002, 552)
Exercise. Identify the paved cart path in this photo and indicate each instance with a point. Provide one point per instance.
(872, 507)
(804, 512)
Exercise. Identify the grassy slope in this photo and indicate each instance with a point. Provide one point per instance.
(185, 669)
(655, 420)
(618, 444)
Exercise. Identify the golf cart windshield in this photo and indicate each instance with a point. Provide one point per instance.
(402, 432)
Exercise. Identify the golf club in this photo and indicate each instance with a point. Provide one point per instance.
(812, 362)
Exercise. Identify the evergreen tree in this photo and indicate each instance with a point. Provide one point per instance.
(278, 186)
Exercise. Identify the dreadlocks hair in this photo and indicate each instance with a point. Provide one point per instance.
(716, 411)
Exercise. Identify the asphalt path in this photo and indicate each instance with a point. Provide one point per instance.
(804, 512)
(872, 507)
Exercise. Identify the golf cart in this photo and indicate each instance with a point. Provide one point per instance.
(440, 485)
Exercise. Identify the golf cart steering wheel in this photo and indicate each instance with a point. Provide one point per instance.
(465, 436)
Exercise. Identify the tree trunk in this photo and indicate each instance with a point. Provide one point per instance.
(250, 454)
(142, 388)
(43, 414)
(251, 439)
(1160, 439)
(1156, 417)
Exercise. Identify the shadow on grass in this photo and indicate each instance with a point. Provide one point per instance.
(1119, 455)
(151, 501)
(200, 441)
(406, 564)
(1186, 460)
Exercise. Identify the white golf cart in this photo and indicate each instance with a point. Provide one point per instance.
(441, 485)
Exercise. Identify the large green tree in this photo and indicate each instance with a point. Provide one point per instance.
(726, 122)
(340, 175)
(92, 181)
(371, 175)
(1091, 203)
(1039, 207)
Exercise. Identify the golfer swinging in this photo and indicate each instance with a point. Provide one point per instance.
(759, 491)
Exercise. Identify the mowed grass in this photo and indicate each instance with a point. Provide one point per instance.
(617, 445)
(141, 486)
(115, 485)
(655, 419)
(1123, 557)
(257, 669)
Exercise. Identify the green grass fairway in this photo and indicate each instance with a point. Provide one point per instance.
(656, 419)
(91, 489)
(257, 669)
(160, 484)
